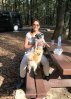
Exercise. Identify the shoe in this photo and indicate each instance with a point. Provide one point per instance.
(20, 83)
(47, 77)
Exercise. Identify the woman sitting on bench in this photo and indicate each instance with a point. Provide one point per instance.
(29, 44)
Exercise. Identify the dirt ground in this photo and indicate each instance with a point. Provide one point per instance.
(11, 53)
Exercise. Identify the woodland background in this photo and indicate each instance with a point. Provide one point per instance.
(51, 13)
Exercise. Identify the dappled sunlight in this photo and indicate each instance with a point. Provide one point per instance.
(9, 54)
(9, 45)
(1, 64)
(53, 93)
(1, 80)
(8, 97)
(50, 30)
(11, 40)
(67, 32)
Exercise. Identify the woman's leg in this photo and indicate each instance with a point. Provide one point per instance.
(45, 63)
(22, 75)
(23, 66)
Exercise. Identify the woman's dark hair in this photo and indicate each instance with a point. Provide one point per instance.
(33, 22)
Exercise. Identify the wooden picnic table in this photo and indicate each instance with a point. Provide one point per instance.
(63, 66)
(37, 87)
(63, 60)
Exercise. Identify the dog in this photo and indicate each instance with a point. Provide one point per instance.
(34, 59)
(35, 56)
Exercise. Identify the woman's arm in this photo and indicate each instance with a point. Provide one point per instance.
(47, 45)
(43, 43)
(26, 44)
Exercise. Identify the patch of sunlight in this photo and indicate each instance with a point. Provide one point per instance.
(1, 64)
(2, 38)
(11, 40)
(54, 93)
(6, 97)
(9, 54)
(67, 33)
(1, 80)
(49, 30)
(15, 43)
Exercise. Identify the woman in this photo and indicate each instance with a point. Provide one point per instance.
(29, 46)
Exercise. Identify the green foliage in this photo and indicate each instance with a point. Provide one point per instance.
(44, 10)
(49, 12)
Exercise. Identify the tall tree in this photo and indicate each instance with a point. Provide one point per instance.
(31, 9)
(69, 34)
(27, 12)
(66, 16)
(60, 19)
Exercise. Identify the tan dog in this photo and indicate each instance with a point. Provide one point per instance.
(35, 58)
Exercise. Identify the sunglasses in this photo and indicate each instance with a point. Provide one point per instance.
(35, 24)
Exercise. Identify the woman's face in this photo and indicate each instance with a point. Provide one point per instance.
(36, 26)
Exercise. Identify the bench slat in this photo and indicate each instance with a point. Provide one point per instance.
(30, 87)
(41, 91)
(47, 85)
(59, 83)
(64, 64)
(67, 52)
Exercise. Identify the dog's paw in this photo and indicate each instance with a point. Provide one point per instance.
(29, 70)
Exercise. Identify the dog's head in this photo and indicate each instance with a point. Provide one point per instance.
(39, 36)
(38, 51)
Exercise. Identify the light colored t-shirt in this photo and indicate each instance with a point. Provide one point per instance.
(31, 40)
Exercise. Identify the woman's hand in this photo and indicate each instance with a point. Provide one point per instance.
(40, 43)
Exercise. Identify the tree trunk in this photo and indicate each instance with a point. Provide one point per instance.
(66, 22)
(60, 19)
(69, 35)
(27, 16)
(31, 11)
(36, 14)
(2, 5)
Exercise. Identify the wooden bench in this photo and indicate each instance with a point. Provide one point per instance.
(64, 60)
(37, 87)
(63, 66)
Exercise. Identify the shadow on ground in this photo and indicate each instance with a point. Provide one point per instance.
(11, 54)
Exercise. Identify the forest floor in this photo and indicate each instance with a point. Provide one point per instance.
(11, 53)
